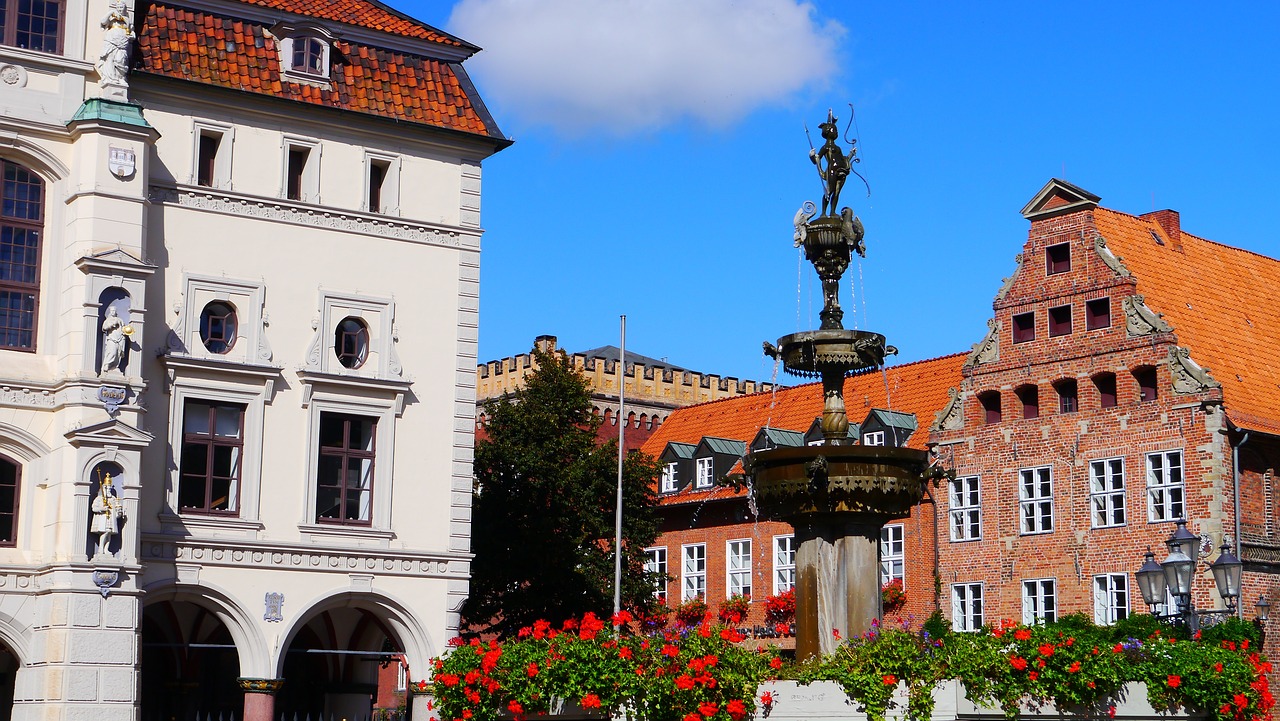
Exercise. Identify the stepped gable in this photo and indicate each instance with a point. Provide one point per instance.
(1220, 301)
(919, 388)
(215, 48)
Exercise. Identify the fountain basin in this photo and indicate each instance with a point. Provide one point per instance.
(814, 352)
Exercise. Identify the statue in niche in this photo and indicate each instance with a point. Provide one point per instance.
(113, 61)
(115, 338)
(107, 512)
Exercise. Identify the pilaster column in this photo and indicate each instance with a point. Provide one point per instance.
(260, 697)
(420, 703)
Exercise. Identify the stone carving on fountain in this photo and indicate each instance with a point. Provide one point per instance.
(837, 495)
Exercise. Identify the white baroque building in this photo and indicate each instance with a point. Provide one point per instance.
(239, 271)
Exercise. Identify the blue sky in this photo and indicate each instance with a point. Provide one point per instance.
(660, 155)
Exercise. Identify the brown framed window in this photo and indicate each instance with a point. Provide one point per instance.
(1029, 395)
(1097, 314)
(1060, 321)
(218, 327)
(308, 56)
(1106, 385)
(351, 342)
(211, 458)
(1057, 258)
(1068, 395)
(21, 227)
(33, 24)
(1024, 327)
(10, 484)
(344, 476)
(1146, 379)
(990, 401)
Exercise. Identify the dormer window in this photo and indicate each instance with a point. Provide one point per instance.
(873, 438)
(706, 476)
(670, 478)
(309, 55)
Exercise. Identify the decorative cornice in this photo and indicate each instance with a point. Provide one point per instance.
(254, 554)
(285, 211)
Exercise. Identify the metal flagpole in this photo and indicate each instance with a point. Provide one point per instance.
(622, 442)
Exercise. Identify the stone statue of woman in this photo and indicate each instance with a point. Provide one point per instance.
(113, 61)
(107, 512)
(114, 337)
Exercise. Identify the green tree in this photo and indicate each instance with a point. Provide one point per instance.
(543, 510)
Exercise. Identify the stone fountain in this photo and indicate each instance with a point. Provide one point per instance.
(837, 495)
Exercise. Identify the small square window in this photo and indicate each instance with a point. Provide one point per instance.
(1057, 258)
(1029, 395)
(1146, 378)
(1097, 314)
(1024, 327)
(1068, 395)
(873, 438)
(1060, 321)
(1106, 385)
(990, 401)
(310, 55)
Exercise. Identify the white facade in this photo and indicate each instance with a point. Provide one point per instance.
(371, 570)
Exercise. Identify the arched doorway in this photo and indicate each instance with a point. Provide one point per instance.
(343, 662)
(9, 665)
(189, 664)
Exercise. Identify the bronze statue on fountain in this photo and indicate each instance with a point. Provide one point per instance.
(837, 495)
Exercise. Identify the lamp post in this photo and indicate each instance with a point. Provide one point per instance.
(1173, 577)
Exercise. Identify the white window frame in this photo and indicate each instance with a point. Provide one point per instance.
(1161, 491)
(693, 571)
(384, 412)
(873, 438)
(737, 567)
(964, 495)
(670, 477)
(705, 477)
(1110, 598)
(1035, 506)
(1039, 600)
(402, 675)
(655, 561)
(784, 563)
(247, 297)
(310, 188)
(966, 607)
(290, 72)
(1106, 493)
(222, 160)
(892, 553)
(390, 183)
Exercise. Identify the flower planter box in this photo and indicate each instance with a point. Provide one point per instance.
(826, 701)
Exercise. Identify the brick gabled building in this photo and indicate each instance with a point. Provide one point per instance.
(1125, 370)
(714, 544)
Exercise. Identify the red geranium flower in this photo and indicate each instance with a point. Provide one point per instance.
(532, 670)
(1022, 634)
(515, 707)
(708, 709)
(1118, 648)
(1033, 675)
(591, 701)
(1074, 667)
(1046, 649)
(782, 629)
(1018, 662)
(1241, 700)
(684, 682)
(736, 708)
(775, 663)
(889, 679)
(692, 717)
(1174, 681)
(767, 698)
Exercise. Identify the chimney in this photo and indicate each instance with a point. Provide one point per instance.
(1171, 223)
(547, 343)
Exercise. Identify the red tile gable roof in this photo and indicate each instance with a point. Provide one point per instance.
(364, 13)
(242, 55)
(1220, 302)
(920, 388)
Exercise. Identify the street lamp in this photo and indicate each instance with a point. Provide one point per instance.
(1264, 607)
(1175, 574)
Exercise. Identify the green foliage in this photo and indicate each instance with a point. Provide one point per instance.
(543, 510)
(703, 673)
(936, 625)
(1232, 629)
(1142, 625)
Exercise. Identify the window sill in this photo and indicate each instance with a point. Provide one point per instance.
(52, 61)
(190, 525)
(324, 534)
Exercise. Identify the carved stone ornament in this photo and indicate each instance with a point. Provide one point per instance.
(1112, 261)
(1008, 282)
(260, 685)
(989, 349)
(1140, 320)
(274, 607)
(951, 417)
(112, 397)
(104, 580)
(1188, 376)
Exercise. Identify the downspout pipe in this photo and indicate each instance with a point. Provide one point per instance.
(1235, 467)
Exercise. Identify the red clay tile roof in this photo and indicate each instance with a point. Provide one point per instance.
(364, 13)
(920, 388)
(1220, 301)
(200, 46)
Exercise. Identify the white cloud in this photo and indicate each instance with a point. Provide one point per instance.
(622, 66)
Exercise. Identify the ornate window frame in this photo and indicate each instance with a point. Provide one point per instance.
(286, 34)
